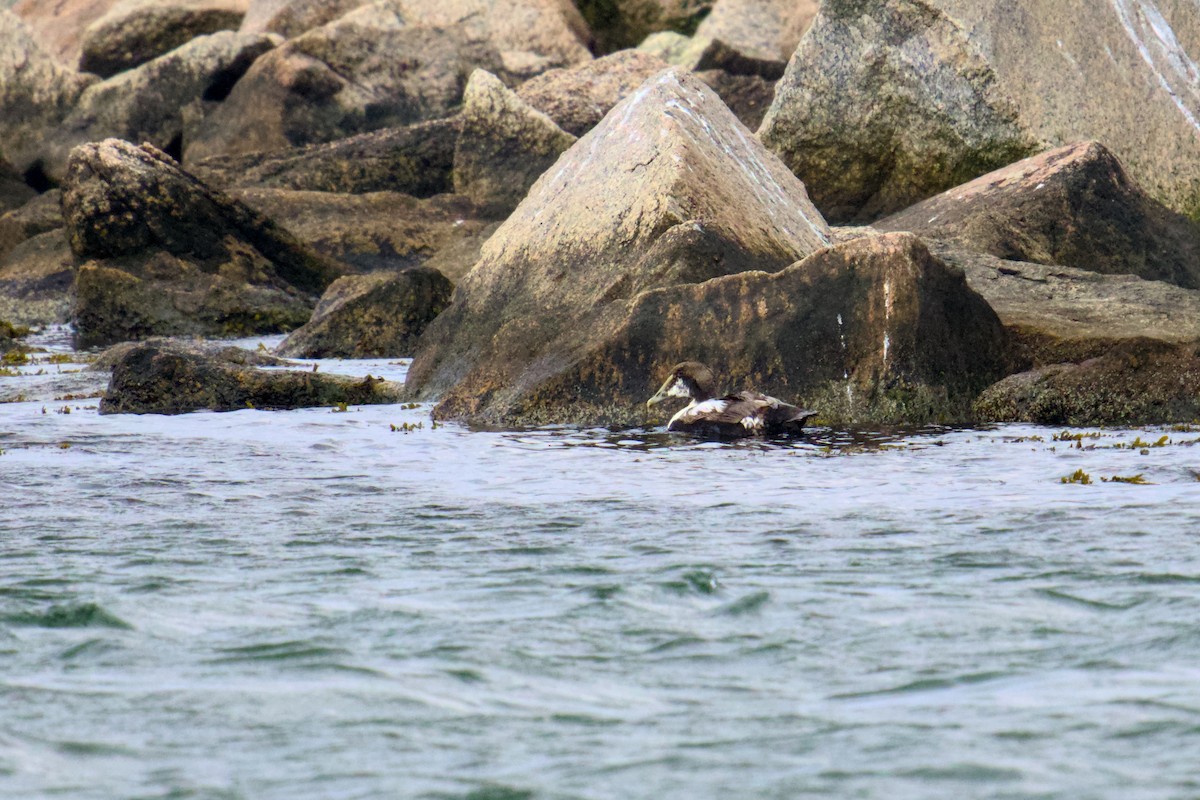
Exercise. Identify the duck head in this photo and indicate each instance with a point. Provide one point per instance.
(690, 379)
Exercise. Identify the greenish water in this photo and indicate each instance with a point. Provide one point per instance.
(310, 605)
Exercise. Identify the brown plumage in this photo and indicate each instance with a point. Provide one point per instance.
(734, 415)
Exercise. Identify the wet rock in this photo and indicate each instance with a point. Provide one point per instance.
(335, 82)
(58, 26)
(579, 97)
(14, 192)
(167, 379)
(290, 18)
(36, 280)
(41, 214)
(505, 145)
(416, 159)
(1075, 206)
(766, 30)
(136, 31)
(107, 360)
(876, 331)
(374, 231)
(957, 74)
(1137, 382)
(36, 93)
(1058, 313)
(10, 336)
(618, 24)
(371, 316)
(668, 189)
(887, 102)
(175, 257)
(144, 104)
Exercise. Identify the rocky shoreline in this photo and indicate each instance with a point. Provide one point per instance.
(891, 211)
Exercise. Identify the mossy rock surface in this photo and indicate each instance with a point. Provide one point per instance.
(155, 378)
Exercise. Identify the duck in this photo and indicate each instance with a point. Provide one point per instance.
(732, 416)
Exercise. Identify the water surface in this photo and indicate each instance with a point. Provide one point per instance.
(310, 604)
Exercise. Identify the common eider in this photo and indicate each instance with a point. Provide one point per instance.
(731, 416)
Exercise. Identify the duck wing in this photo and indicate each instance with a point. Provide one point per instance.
(740, 414)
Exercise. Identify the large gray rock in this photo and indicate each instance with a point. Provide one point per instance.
(415, 159)
(505, 145)
(577, 98)
(171, 256)
(1075, 206)
(36, 93)
(371, 316)
(363, 72)
(887, 102)
(145, 104)
(668, 189)
(136, 31)
(163, 378)
(372, 231)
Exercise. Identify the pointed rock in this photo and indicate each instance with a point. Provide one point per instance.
(668, 189)
(371, 316)
(505, 145)
(174, 256)
(1075, 206)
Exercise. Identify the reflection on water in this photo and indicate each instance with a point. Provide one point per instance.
(361, 605)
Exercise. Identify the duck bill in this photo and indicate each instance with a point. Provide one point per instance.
(661, 394)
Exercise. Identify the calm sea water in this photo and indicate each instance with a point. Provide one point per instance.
(308, 604)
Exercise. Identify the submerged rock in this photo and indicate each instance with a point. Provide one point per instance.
(136, 31)
(505, 145)
(668, 189)
(1074, 206)
(415, 159)
(371, 316)
(887, 102)
(1137, 382)
(157, 378)
(174, 256)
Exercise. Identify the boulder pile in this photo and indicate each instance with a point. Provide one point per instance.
(898, 211)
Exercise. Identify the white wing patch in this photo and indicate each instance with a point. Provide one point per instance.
(690, 413)
(752, 422)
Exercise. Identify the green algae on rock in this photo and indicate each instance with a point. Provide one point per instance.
(159, 378)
